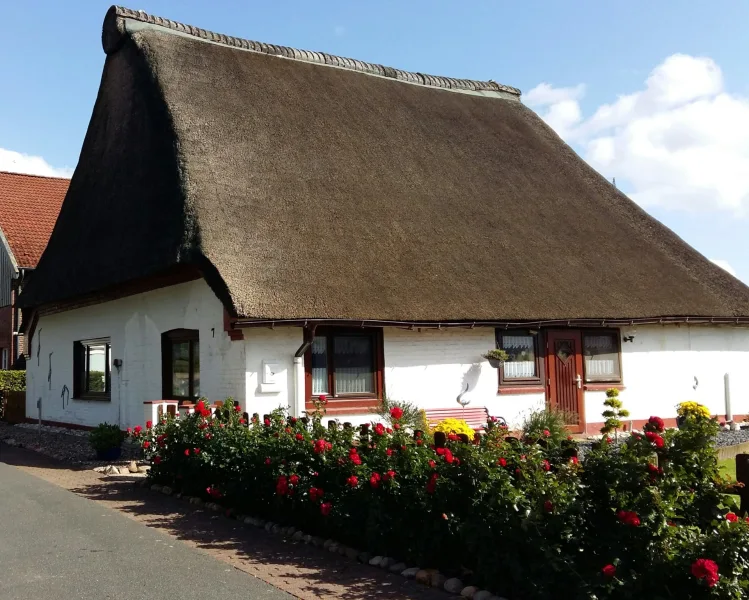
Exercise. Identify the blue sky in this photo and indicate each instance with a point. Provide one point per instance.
(655, 94)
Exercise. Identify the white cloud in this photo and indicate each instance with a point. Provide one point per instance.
(725, 265)
(15, 162)
(682, 141)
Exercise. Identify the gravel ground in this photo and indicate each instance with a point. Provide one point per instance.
(68, 445)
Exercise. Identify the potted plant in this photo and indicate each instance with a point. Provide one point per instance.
(107, 440)
(496, 357)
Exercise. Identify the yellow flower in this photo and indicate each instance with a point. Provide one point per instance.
(692, 408)
(456, 426)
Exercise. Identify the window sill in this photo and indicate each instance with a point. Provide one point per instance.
(93, 398)
(602, 387)
(361, 405)
(521, 389)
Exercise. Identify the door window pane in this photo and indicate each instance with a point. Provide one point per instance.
(521, 350)
(320, 366)
(195, 344)
(181, 369)
(601, 354)
(353, 359)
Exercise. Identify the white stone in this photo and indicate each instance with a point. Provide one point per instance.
(133, 467)
(469, 591)
(397, 567)
(386, 562)
(375, 561)
(410, 573)
(453, 585)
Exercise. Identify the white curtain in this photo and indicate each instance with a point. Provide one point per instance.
(353, 365)
(522, 359)
(319, 366)
(601, 360)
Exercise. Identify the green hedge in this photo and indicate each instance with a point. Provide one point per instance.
(12, 381)
(521, 517)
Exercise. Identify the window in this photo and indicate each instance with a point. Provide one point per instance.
(180, 355)
(92, 366)
(523, 365)
(345, 364)
(601, 356)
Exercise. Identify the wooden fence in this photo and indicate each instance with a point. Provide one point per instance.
(15, 407)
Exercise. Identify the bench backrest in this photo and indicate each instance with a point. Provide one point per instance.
(475, 416)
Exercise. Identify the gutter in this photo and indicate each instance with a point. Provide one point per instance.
(621, 322)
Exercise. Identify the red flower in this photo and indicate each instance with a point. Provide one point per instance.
(653, 468)
(549, 506)
(137, 430)
(419, 442)
(453, 437)
(267, 461)
(546, 465)
(129, 430)
(706, 569)
(547, 433)
(196, 450)
(213, 492)
(432, 485)
(397, 426)
(379, 429)
(396, 412)
(149, 424)
(628, 518)
(448, 456)
(242, 421)
(315, 494)
(374, 480)
(288, 430)
(656, 423)
(388, 430)
(353, 481)
(319, 446)
(732, 517)
(146, 444)
(355, 458)
(266, 422)
(574, 460)
(294, 479)
(502, 462)
(655, 439)
(203, 425)
(432, 464)
(282, 486)
(237, 408)
(323, 398)
(325, 508)
(389, 452)
(609, 570)
(157, 460)
(388, 476)
(208, 435)
(187, 452)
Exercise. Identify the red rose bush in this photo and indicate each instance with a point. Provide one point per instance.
(646, 519)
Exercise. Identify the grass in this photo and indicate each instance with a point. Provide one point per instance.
(728, 468)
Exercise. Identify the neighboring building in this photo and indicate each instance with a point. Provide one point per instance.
(272, 224)
(29, 205)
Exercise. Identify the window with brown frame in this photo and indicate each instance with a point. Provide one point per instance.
(602, 356)
(180, 355)
(92, 369)
(345, 365)
(524, 365)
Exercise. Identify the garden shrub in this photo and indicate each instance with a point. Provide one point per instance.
(522, 517)
(12, 381)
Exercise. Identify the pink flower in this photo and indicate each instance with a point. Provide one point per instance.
(547, 433)
(129, 430)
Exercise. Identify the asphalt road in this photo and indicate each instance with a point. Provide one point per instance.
(55, 545)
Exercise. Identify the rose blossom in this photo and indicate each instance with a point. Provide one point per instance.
(706, 569)
(396, 412)
(325, 508)
(609, 570)
(149, 424)
(353, 481)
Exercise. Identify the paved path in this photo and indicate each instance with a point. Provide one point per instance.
(110, 540)
(54, 544)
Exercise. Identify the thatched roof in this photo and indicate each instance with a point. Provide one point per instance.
(305, 185)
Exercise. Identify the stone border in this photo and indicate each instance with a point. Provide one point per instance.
(430, 577)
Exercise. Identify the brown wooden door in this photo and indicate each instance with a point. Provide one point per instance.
(564, 363)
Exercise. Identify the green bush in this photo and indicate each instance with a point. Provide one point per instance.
(12, 381)
(105, 437)
(525, 518)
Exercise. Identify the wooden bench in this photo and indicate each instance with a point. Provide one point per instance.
(475, 416)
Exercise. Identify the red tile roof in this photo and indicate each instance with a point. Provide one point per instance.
(29, 205)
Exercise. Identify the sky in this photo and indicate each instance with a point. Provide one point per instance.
(652, 94)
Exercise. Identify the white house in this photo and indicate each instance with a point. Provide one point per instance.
(272, 224)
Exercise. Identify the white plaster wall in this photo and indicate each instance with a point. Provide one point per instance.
(428, 368)
(660, 365)
(134, 325)
(276, 345)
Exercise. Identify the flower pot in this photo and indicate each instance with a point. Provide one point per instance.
(109, 454)
(496, 363)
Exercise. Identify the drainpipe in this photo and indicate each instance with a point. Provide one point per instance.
(297, 403)
(727, 396)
